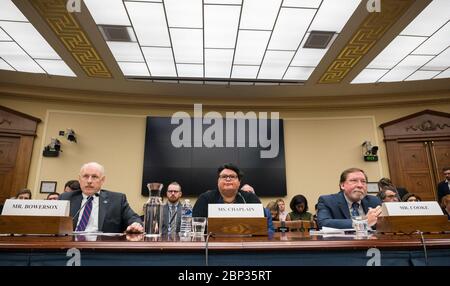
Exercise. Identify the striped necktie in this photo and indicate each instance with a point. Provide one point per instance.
(172, 218)
(86, 215)
(355, 209)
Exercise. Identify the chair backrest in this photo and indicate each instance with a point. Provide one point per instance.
(294, 225)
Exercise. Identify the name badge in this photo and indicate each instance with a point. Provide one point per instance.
(36, 207)
(235, 210)
(411, 209)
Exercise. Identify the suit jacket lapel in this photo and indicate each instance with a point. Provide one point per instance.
(343, 206)
(75, 206)
(102, 208)
(365, 204)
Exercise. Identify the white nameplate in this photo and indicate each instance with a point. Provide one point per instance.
(411, 209)
(36, 207)
(235, 210)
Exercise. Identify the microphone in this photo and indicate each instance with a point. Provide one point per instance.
(242, 197)
(90, 198)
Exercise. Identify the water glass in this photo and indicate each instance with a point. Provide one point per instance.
(198, 226)
(360, 225)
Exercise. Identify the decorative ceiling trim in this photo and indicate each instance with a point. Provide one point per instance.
(69, 31)
(368, 33)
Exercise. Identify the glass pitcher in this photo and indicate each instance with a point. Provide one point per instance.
(153, 210)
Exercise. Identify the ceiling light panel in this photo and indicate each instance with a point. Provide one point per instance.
(186, 13)
(250, 47)
(126, 52)
(133, 69)
(259, 15)
(21, 45)
(111, 12)
(9, 12)
(4, 36)
(17, 58)
(160, 61)
(444, 74)
(422, 75)
(440, 62)
(187, 45)
(436, 43)
(302, 3)
(405, 68)
(298, 73)
(370, 75)
(333, 15)
(56, 67)
(245, 72)
(149, 23)
(29, 39)
(275, 64)
(429, 20)
(290, 28)
(218, 63)
(226, 2)
(5, 66)
(425, 38)
(221, 25)
(190, 70)
(399, 48)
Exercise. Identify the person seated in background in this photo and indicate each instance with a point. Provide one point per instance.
(410, 197)
(299, 207)
(95, 209)
(171, 221)
(53, 196)
(386, 182)
(445, 204)
(443, 187)
(336, 210)
(72, 185)
(247, 188)
(274, 211)
(24, 194)
(388, 194)
(282, 212)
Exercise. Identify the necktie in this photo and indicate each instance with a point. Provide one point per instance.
(86, 214)
(172, 217)
(355, 209)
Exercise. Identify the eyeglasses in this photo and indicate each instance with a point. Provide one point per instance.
(173, 191)
(228, 177)
(355, 181)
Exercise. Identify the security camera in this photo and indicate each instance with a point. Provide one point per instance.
(52, 149)
(70, 134)
(374, 150)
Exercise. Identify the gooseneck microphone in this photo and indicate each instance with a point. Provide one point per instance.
(242, 197)
(90, 198)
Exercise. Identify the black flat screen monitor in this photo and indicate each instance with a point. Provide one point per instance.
(195, 167)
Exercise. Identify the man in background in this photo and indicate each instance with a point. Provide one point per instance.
(172, 210)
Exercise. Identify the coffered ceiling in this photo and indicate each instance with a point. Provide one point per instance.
(224, 48)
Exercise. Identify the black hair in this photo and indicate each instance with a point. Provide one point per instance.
(296, 200)
(233, 167)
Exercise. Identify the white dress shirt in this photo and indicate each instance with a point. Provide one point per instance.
(92, 225)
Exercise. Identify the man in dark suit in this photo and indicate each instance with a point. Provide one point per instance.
(94, 209)
(336, 210)
(444, 186)
(171, 221)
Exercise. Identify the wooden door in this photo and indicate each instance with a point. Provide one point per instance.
(416, 168)
(17, 132)
(417, 148)
(8, 155)
(441, 155)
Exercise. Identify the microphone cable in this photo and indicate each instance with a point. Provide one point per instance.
(210, 234)
(422, 238)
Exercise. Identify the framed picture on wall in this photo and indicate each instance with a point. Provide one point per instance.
(372, 187)
(48, 187)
